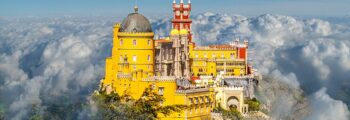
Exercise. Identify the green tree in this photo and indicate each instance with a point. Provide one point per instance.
(232, 113)
(148, 107)
(253, 104)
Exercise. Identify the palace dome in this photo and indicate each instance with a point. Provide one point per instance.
(183, 32)
(174, 32)
(135, 22)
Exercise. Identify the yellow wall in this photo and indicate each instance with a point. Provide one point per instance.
(211, 61)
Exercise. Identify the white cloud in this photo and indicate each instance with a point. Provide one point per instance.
(326, 108)
(44, 59)
(310, 53)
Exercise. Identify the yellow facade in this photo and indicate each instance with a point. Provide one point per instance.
(131, 68)
(125, 74)
(209, 62)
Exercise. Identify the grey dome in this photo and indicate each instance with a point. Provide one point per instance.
(135, 22)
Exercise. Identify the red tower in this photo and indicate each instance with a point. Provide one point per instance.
(181, 19)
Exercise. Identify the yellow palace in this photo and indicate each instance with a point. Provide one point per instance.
(202, 77)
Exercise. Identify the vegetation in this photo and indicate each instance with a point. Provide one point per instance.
(253, 104)
(232, 114)
(148, 107)
(35, 112)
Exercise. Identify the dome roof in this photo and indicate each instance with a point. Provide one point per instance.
(183, 32)
(135, 22)
(174, 32)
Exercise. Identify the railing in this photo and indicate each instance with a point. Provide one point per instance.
(240, 77)
(232, 88)
(205, 77)
(120, 75)
(192, 90)
(209, 48)
(159, 78)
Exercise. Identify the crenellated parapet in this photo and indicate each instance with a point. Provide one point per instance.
(240, 77)
(159, 78)
(135, 34)
(232, 88)
(192, 90)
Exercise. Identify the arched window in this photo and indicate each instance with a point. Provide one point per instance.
(121, 42)
(149, 42)
(148, 58)
(134, 58)
(134, 42)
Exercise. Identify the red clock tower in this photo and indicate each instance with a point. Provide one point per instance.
(181, 19)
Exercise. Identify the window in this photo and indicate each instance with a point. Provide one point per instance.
(161, 90)
(134, 67)
(213, 56)
(134, 58)
(196, 55)
(149, 42)
(134, 42)
(149, 58)
(232, 55)
(121, 58)
(205, 55)
(121, 41)
(149, 66)
(222, 55)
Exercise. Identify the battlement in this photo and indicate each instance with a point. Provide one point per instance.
(117, 25)
(210, 48)
(136, 34)
(159, 78)
(192, 90)
(240, 77)
(232, 88)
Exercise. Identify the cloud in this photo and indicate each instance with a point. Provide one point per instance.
(59, 61)
(337, 109)
(308, 53)
(46, 60)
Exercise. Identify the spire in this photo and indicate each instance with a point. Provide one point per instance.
(136, 9)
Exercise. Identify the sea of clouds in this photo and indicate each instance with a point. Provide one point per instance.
(59, 61)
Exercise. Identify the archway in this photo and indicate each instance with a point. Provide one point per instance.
(232, 102)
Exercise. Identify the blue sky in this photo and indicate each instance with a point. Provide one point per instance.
(325, 8)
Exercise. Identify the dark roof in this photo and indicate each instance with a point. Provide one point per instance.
(135, 22)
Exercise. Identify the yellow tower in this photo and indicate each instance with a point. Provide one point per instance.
(132, 55)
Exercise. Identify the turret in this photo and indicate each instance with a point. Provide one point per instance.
(246, 43)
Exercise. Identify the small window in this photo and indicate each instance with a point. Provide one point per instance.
(134, 67)
(196, 55)
(205, 55)
(161, 90)
(121, 58)
(232, 55)
(222, 55)
(134, 58)
(121, 41)
(134, 42)
(149, 42)
(148, 58)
